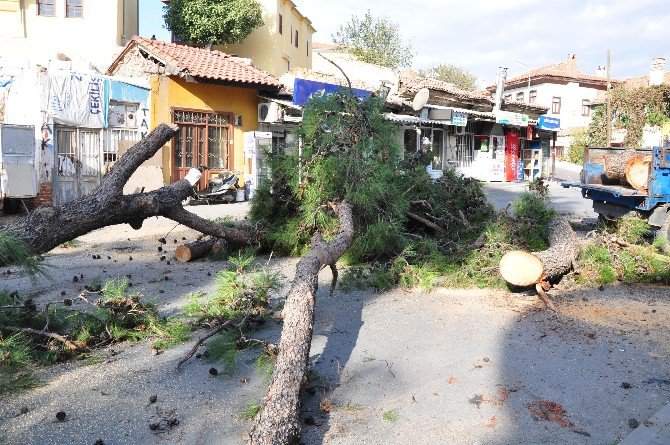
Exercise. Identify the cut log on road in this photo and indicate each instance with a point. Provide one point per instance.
(192, 251)
(637, 171)
(524, 269)
(278, 423)
(49, 227)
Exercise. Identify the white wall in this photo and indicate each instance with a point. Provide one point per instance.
(571, 101)
(372, 75)
(96, 37)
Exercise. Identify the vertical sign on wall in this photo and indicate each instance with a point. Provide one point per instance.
(511, 155)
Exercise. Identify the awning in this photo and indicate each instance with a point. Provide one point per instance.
(480, 114)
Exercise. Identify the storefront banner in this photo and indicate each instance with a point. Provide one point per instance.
(79, 100)
(304, 90)
(510, 118)
(459, 119)
(549, 123)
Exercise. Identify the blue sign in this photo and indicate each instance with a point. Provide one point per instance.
(549, 123)
(303, 90)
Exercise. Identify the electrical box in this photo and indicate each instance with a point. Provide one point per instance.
(18, 160)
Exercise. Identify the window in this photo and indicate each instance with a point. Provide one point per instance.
(281, 24)
(410, 140)
(507, 97)
(556, 105)
(519, 97)
(307, 46)
(586, 107)
(296, 39)
(532, 97)
(291, 35)
(46, 8)
(202, 140)
(73, 8)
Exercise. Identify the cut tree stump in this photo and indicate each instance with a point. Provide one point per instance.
(524, 269)
(637, 171)
(278, 421)
(192, 251)
(48, 227)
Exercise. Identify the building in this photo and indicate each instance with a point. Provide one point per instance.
(211, 95)
(464, 131)
(283, 42)
(563, 89)
(91, 30)
(652, 135)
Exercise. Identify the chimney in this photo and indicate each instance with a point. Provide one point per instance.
(601, 72)
(657, 72)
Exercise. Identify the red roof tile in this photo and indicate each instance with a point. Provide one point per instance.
(204, 63)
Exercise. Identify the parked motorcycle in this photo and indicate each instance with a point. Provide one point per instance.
(221, 187)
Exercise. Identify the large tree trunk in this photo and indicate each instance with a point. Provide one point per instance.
(48, 227)
(523, 269)
(628, 168)
(277, 422)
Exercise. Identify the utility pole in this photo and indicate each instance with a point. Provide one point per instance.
(608, 116)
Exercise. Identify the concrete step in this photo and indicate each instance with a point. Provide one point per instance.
(658, 433)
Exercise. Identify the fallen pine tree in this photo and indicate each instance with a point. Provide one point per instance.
(48, 227)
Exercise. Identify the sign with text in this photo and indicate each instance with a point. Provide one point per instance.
(304, 90)
(549, 123)
(510, 118)
(79, 100)
(459, 119)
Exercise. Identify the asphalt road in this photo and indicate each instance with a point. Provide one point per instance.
(501, 195)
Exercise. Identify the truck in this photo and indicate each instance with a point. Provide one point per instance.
(613, 201)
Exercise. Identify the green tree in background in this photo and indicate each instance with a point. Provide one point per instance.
(578, 142)
(375, 40)
(452, 74)
(213, 21)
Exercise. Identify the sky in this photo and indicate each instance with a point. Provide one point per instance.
(481, 35)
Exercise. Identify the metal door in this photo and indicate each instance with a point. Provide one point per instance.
(78, 164)
(18, 158)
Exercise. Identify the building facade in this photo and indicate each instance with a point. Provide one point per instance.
(90, 30)
(212, 96)
(563, 89)
(283, 42)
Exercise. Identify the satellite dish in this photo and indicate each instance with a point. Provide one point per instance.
(420, 99)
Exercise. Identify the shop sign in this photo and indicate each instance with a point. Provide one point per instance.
(549, 123)
(459, 119)
(304, 90)
(510, 118)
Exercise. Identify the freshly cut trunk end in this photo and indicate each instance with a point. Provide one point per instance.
(637, 171)
(193, 251)
(521, 268)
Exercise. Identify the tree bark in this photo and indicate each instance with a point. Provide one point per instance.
(192, 251)
(525, 269)
(278, 422)
(49, 227)
(615, 166)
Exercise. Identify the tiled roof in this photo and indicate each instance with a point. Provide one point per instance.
(202, 63)
(413, 82)
(564, 70)
(514, 103)
(643, 81)
(319, 45)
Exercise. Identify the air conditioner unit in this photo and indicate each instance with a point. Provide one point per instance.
(269, 112)
(460, 131)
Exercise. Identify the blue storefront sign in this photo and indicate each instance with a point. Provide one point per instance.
(549, 123)
(303, 90)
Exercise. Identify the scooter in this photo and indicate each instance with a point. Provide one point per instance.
(220, 188)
